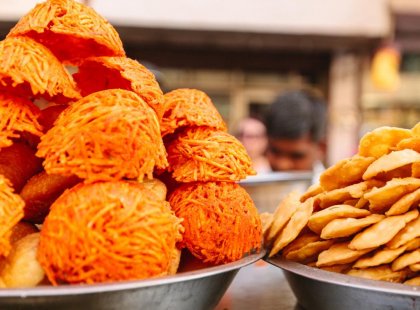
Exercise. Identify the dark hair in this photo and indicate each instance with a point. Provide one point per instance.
(294, 114)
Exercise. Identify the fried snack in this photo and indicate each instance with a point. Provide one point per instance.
(313, 190)
(309, 251)
(48, 115)
(381, 141)
(189, 107)
(405, 203)
(108, 135)
(303, 239)
(21, 230)
(415, 170)
(17, 115)
(29, 69)
(157, 186)
(391, 162)
(295, 225)
(413, 244)
(18, 163)
(380, 257)
(339, 254)
(382, 232)
(380, 199)
(41, 191)
(345, 172)
(415, 267)
(410, 232)
(346, 227)
(343, 268)
(100, 73)
(175, 260)
(202, 154)
(382, 273)
(361, 203)
(413, 281)
(71, 30)
(220, 219)
(284, 211)
(108, 231)
(320, 219)
(11, 210)
(416, 130)
(406, 260)
(410, 143)
(21, 268)
(266, 222)
(339, 195)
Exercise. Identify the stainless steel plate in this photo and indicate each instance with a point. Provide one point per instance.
(317, 289)
(200, 289)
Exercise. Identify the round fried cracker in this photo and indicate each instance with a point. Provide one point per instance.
(404, 203)
(410, 232)
(380, 257)
(338, 254)
(382, 273)
(339, 228)
(406, 260)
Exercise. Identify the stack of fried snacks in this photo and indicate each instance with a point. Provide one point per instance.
(200, 154)
(220, 219)
(71, 30)
(99, 73)
(362, 218)
(108, 135)
(186, 107)
(113, 231)
(29, 69)
(17, 115)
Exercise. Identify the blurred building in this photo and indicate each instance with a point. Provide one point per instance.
(243, 53)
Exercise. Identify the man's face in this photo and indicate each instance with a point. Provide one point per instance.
(295, 154)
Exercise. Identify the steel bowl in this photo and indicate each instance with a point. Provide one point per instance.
(316, 289)
(198, 289)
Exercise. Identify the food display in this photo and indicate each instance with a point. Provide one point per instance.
(362, 218)
(85, 173)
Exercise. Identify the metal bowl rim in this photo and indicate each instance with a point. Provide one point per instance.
(279, 176)
(342, 279)
(68, 290)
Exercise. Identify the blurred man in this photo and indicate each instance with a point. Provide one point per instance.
(296, 132)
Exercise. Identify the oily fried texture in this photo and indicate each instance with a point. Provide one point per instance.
(221, 221)
(41, 191)
(11, 210)
(29, 69)
(21, 267)
(108, 135)
(189, 107)
(108, 231)
(100, 73)
(406, 260)
(346, 227)
(17, 115)
(380, 257)
(391, 162)
(18, 163)
(405, 203)
(202, 154)
(381, 141)
(339, 254)
(345, 172)
(410, 143)
(382, 232)
(48, 115)
(157, 186)
(71, 30)
(410, 232)
(313, 190)
(382, 273)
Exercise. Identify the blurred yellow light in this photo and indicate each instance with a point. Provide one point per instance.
(385, 69)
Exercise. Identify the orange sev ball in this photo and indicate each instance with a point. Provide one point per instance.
(11, 212)
(108, 231)
(29, 69)
(202, 154)
(100, 73)
(108, 135)
(17, 115)
(220, 219)
(71, 30)
(189, 107)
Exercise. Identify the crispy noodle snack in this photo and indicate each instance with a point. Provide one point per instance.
(220, 219)
(17, 115)
(189, 107)
(202, 154)
(107, 135)
(29, 69)
(100, 73)
(11, 211)
(381, 141)
(108, 231)
(71, 30)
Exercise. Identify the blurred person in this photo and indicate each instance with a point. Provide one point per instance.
(252, 133)
(295, 123)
